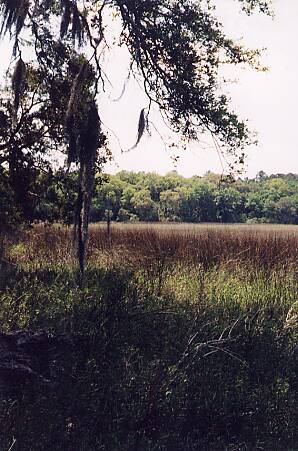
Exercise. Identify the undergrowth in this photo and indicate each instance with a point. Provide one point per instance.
(161, 353)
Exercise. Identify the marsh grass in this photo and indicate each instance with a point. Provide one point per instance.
(208, 245)
(179, 339)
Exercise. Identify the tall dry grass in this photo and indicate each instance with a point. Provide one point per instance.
(182, 337)
(264, 247)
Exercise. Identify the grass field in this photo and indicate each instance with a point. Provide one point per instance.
(182, 337)
(214, 243)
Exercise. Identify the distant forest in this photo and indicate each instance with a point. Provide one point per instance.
(131, 196)
(139, 196)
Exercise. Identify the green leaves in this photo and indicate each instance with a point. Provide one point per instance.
(177, 48)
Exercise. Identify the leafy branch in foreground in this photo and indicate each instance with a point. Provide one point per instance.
(176, 47)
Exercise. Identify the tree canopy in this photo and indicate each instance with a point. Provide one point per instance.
(140, 196)
(176, 47)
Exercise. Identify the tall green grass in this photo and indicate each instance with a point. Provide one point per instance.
(180, 339)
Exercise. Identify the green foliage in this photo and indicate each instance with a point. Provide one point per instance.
(152, 197)
(144, 206)
(204, 360)
(177, 51)
(57, 196)
(198, 199)
(229, 205)
(158, 38)
(9, 214)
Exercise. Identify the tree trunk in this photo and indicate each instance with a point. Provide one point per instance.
(87, 172)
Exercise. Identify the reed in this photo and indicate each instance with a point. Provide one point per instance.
(182, 337)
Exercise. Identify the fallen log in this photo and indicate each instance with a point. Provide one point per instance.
(26, 358)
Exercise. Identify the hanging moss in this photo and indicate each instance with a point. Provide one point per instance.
(73, 114)
(13, 14)
(89, 143)
(71, 18)
(18, 83)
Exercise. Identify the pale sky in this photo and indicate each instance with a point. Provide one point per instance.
(268, 100)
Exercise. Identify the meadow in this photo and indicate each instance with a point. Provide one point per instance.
(181, 337)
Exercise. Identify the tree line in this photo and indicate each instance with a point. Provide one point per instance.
(50, 98)
(130, 196)
(139, 196)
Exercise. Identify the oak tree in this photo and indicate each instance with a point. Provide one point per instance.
(176, 46)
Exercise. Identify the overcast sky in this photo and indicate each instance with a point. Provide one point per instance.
(268, 100)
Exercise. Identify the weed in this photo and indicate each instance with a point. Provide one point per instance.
(181, 339)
